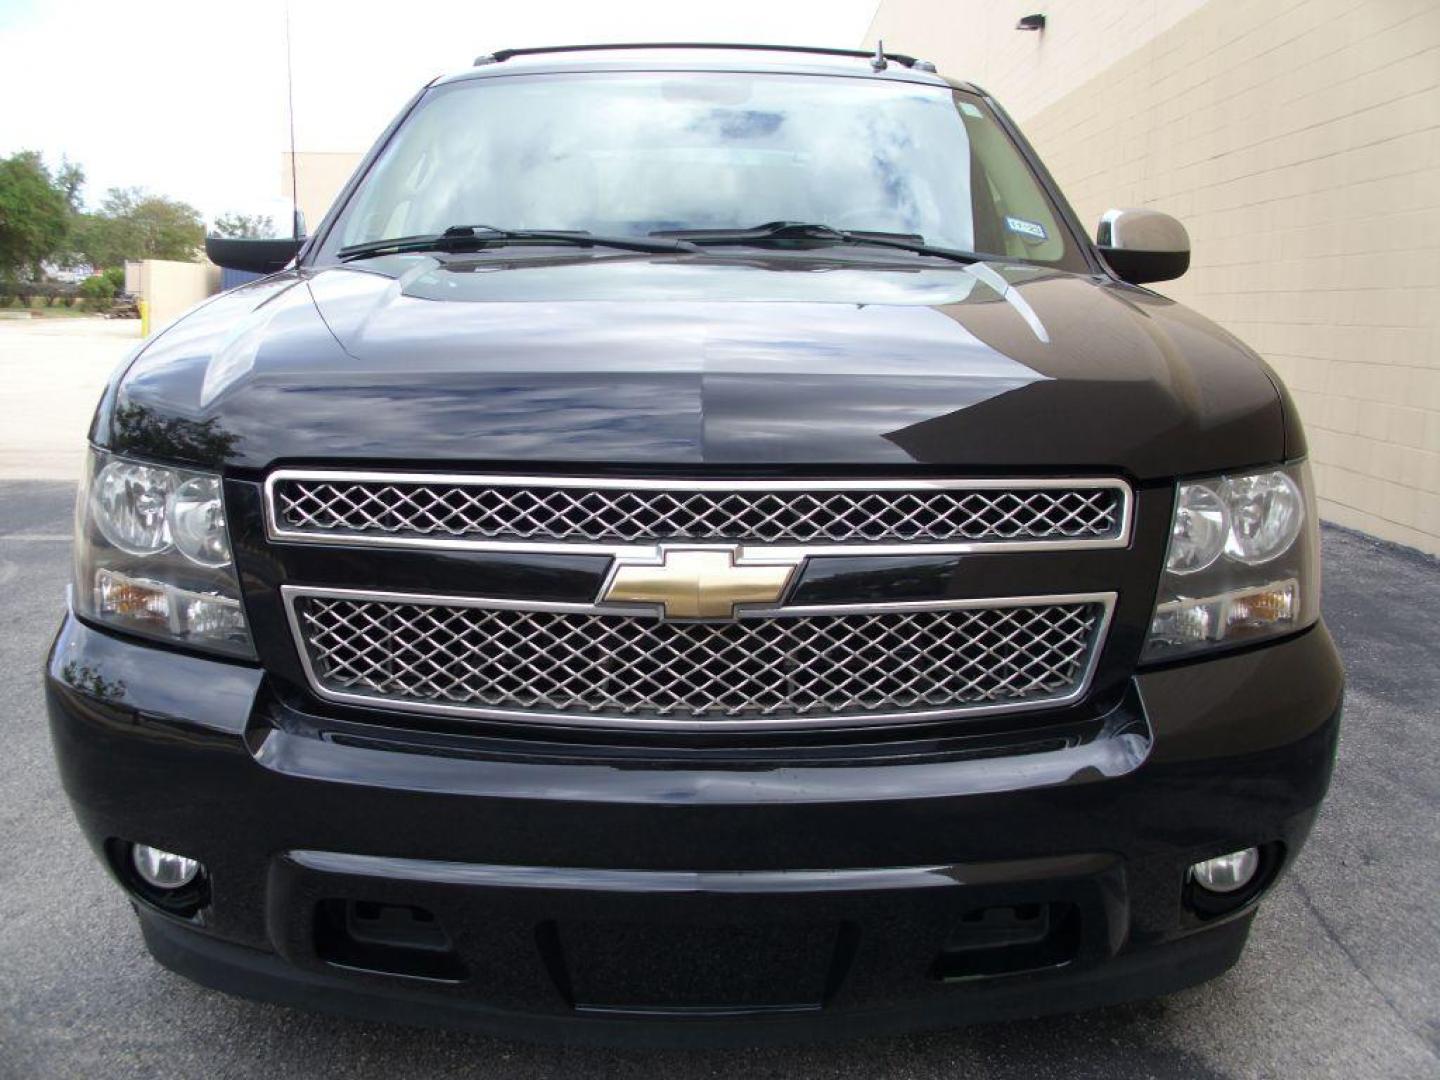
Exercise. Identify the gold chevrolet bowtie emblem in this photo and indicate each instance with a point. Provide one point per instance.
(699, 583)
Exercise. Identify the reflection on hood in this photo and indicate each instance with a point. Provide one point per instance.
(765, 358)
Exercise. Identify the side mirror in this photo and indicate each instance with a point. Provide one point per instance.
(257, 256)
(1143, 245)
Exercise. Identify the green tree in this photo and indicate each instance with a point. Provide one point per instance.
(239, 225)
(69, 179)
(98, 292)
(34, 216)
(134, 224)
(102, 241)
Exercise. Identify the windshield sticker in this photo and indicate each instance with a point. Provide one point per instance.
(1030, 229)
(971, 110)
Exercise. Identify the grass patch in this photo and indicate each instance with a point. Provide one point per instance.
(38, 308)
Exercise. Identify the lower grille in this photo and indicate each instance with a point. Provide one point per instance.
(773, 669)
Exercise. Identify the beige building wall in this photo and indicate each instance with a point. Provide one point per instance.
(319, 177)
(171, 288)
(1299, 141)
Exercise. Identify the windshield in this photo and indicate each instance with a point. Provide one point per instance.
(632, 154)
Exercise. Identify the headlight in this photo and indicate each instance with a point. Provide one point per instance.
(1266, 513)
(1243, 563)
(129, 501)
(152, 556)
(196, 516)
(1198, 531)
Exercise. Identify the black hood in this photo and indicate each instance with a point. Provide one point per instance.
(697, 361)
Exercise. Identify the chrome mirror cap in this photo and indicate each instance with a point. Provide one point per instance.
(1143, 245)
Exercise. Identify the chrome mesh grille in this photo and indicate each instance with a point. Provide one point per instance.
(632, 668)
(536, 510)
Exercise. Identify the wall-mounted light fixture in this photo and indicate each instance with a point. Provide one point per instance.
(1031, 22)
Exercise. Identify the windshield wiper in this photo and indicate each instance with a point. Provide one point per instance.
(804, 230)
(476, 237)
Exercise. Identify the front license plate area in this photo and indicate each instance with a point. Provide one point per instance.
(674, 967)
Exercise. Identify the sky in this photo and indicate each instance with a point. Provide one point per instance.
(188, 99)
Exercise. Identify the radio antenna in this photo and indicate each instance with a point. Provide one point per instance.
(290, 104)
(878, 61)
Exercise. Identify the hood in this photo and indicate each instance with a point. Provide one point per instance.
(765, 360)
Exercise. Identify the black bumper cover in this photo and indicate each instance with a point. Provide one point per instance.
(595, 901)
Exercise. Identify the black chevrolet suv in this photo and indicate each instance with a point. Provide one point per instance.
(698, 544)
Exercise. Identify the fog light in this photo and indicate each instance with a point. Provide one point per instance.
(1227, 873)
(163, 869)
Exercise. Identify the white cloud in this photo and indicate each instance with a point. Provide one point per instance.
(188, 98)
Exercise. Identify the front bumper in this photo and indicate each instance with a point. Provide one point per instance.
(599, 899)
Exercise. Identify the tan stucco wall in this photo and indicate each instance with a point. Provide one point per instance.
(1299, 141)
(170, 288)
(319, 177)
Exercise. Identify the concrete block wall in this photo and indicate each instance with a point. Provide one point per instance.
(1299, 141)
(319, 175)
(169, 289)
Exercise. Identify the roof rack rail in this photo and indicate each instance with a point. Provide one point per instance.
(505, 54)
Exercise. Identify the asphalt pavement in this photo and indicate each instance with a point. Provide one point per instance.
(1341, 978)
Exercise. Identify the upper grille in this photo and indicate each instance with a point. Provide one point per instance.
(401, 508)
(894, 663)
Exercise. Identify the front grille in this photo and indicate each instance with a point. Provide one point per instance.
(762, 671)
(399, 508)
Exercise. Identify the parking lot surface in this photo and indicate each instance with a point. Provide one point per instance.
(51, 373)
(1340, 979)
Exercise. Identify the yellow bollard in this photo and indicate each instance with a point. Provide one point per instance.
(144, 318)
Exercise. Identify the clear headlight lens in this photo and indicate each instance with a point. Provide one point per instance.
(1243, 563)
(130, 501)
(197, 521)
(152, 556)
(1199, 530)
(1266, 513)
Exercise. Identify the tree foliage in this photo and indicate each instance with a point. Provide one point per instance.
(42, 220)
(34, 215)
(134, 224)
(239, 225)
(69, 179)
(98, 291)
